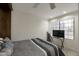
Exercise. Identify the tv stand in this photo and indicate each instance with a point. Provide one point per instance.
(62, 42)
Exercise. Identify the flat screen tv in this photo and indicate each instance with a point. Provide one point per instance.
(58, 33)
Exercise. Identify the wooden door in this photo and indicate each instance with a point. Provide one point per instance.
(5, 22)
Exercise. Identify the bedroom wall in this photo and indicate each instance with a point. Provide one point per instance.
(26, 26)
(71, 44)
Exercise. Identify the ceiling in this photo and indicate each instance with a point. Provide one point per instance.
(43, 10)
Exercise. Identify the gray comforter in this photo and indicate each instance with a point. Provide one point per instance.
(27, 48)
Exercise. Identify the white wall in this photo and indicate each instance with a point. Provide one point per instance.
(71, 44)
(27, 26)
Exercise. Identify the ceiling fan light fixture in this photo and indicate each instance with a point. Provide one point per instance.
(52, 5)
(36, 5)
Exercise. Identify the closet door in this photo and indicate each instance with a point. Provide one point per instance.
(5, 21)
(1, 23)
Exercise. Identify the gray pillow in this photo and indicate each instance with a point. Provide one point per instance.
(8, 48)
(8, 44)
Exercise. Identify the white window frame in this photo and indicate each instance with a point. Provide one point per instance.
(73, 26)
(66, 19)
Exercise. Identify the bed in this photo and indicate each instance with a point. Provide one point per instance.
(32, 47)
(36, 47)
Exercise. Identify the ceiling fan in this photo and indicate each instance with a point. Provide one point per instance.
(52, 5)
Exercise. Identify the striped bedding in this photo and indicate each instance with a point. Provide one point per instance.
(51, 49)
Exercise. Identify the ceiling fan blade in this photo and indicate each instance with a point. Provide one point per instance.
(52, 5)
(36, 5)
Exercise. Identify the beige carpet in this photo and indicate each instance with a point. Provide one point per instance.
(69, 52)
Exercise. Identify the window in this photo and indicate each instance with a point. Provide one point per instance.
(66, 25)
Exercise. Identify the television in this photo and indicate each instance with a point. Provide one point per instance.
(58, 33)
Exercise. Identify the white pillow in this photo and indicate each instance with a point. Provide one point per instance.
(1, 38)
(7, 51)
